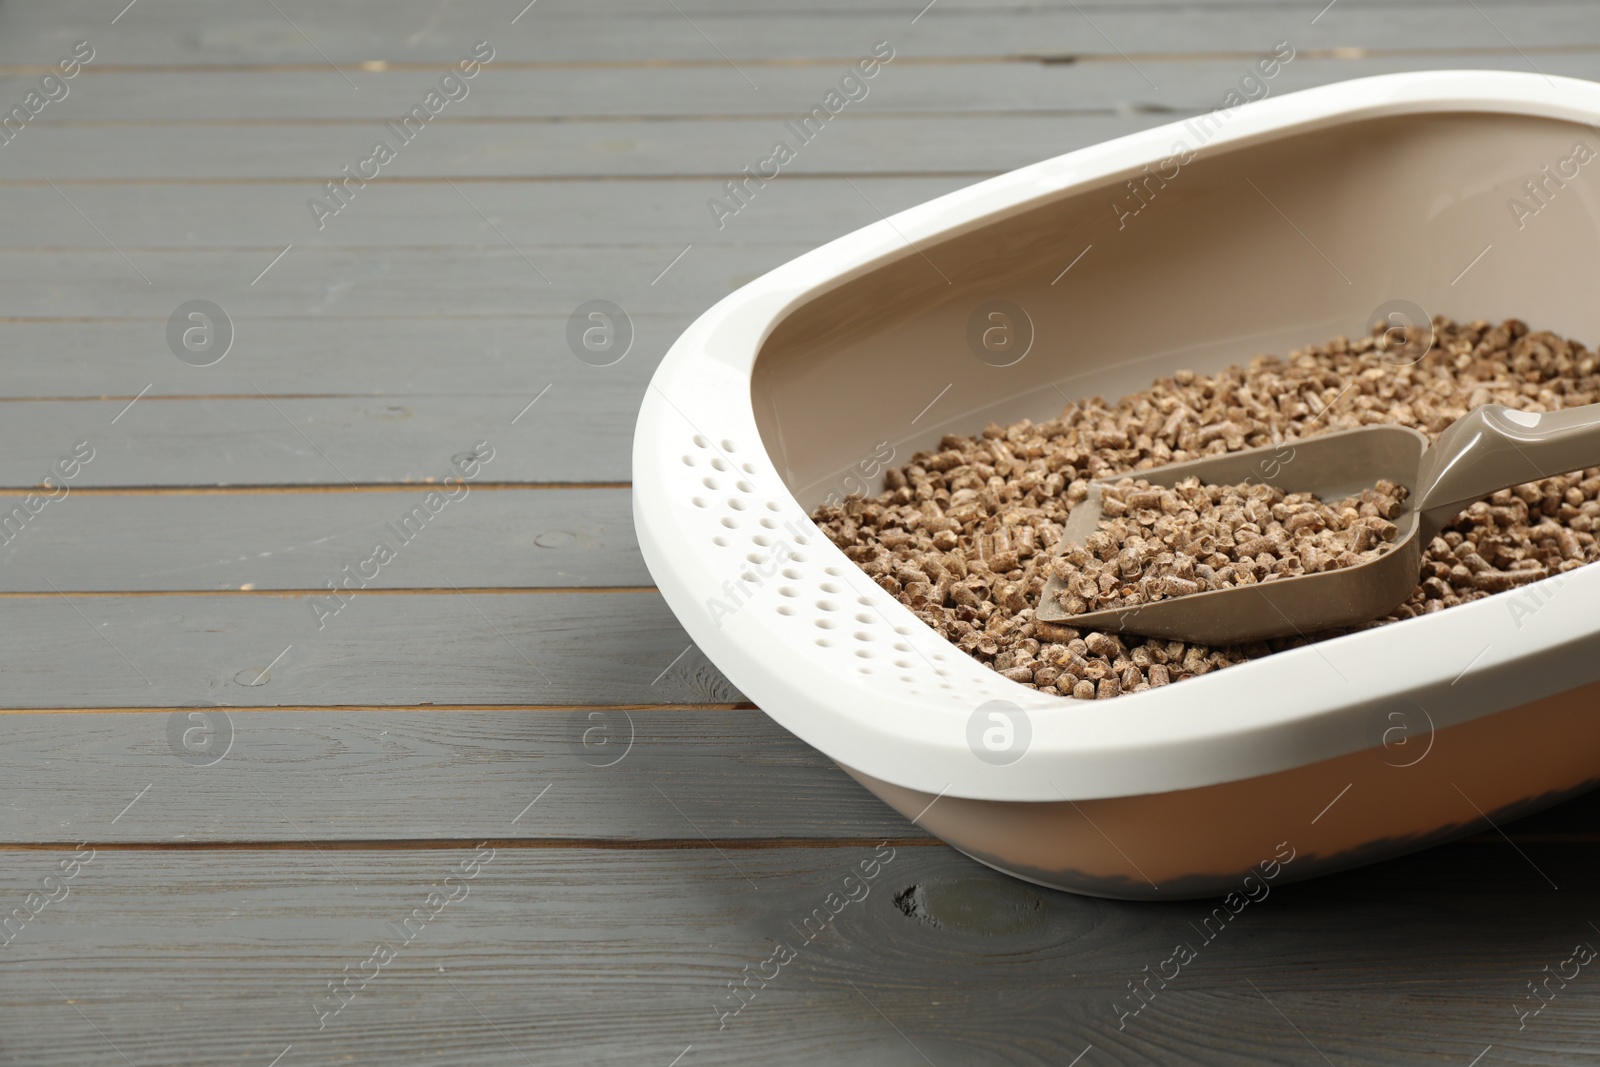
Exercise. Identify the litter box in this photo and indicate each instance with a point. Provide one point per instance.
(1283, 223)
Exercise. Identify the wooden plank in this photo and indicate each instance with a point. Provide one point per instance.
(500, 356)
(326, 441)
(603, 957)
(290, 776)
(297, 540)
(522, 94)
(395, 283)
(197, 32)
(685, 92)
(798, 210)
(379, 649)
(314, 154)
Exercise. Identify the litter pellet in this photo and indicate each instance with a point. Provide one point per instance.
(965, 533)
(1154, 543)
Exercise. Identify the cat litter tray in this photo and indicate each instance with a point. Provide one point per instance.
(1302, 217)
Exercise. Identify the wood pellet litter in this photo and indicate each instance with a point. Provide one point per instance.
(1154, 543)
(964, 536)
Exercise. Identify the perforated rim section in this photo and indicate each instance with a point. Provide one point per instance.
(777, 562)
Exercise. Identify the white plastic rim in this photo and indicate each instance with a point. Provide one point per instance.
(754, 614)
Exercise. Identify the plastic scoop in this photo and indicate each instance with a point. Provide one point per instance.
(1488, 449)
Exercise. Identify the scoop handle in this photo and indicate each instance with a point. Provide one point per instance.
(1494, 447)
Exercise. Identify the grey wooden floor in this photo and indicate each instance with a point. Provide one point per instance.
(503, 760)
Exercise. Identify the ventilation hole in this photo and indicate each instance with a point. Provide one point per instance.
(748, 468)
(788, 590)
(771, 524)
(862, 635)
(700, 442)
(835, 571)
(688, 461)
(710, 483)
(730, 522)
(827, 605)
(825, 642)
(720, 541)
(864, 670)
(762, 539)
(798, 557)
(904, 664)
(793, 572)
(829, 587)
(826, 624)
(717, 463)
(864, 653)
(802, 539)
(901, 630)
(785, 609)
(727, 445)
(756, 557)
(700, 502)
(901, 646)
(862, 616)
(906, 677)
(773, 505)
(864, 600)
(736, 504)
(749, 576)
(744, 487)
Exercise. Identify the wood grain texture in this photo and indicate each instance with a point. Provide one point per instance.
(670, 212)
(320, 441)
(494, 359)
(570, 538)
(393, 283)
(605, 957)
(315, 154)
(403, 649)
(684, 92)
(197, 33)
(374, 775)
